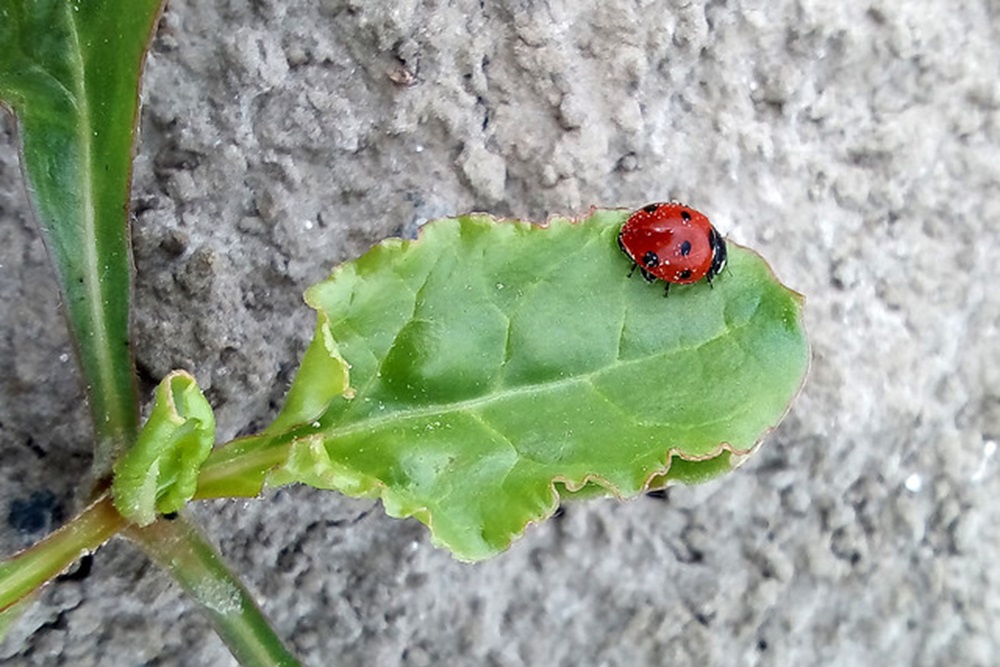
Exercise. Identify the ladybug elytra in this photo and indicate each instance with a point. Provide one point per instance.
(673, 243)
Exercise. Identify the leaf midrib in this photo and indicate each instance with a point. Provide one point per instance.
(91, 274)
(372, 423)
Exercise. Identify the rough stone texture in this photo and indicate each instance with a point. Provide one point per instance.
(856, 144)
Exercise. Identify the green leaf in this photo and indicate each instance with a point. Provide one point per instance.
(499, 365)
(70, 70)
(159, 474)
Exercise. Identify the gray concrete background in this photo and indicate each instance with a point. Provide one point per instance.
(855, 144)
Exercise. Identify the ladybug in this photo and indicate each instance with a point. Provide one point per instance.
(673, 243)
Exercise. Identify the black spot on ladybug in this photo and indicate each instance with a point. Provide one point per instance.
(650, 260)
(685, 248)
(685, 215)
(685, 274)
(650, 208)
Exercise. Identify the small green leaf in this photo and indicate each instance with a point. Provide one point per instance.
(499, 365)
(159, 474)
(70, 72)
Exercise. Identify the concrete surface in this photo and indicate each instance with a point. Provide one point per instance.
(855, 144)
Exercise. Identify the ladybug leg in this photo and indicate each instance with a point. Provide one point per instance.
(634, 267)
(666, 289)
(709, 279)
(647, 276)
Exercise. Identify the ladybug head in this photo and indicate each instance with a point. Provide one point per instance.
(718, 253)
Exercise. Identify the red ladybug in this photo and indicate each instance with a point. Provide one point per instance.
(674, 243)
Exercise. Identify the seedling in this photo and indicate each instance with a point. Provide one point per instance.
(474, 378)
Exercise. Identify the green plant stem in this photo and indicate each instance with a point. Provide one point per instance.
(34, 567)
(181, 548)
(238, 469)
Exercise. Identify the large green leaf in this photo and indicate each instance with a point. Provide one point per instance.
(497, 364)
(70, 71)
